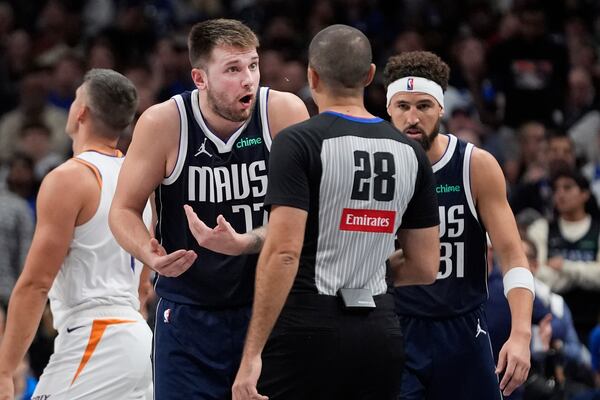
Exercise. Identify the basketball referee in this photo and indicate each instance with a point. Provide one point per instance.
(342, 185)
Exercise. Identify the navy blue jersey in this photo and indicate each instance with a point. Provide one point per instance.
(584, 249)
(461, 284)
(214, 177)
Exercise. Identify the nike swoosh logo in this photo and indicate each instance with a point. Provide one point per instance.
(69, 330)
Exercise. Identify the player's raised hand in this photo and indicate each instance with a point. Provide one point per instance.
(514, 362)
(173, 264)
(244, 386)
(221, 239)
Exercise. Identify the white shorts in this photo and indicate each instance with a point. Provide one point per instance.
(103, 353)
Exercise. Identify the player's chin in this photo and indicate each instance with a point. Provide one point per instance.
(243, 114)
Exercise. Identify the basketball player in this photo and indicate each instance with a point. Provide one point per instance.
(208, 149)
(447, 344)
(341, 186)
(103, 346)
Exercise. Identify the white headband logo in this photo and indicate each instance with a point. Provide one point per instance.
(416, 84)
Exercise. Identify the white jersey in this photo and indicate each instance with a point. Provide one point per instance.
(96, 270)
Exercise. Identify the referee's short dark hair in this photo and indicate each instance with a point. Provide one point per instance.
(341, 55)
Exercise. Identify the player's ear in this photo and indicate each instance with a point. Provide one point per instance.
(200, 78)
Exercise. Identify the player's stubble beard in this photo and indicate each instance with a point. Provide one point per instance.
(225, 111)
(426, 139)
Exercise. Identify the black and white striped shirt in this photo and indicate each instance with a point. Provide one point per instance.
(360, 180)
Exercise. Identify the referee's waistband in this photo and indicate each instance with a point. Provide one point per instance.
(382, 301)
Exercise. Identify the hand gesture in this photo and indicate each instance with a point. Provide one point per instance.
(173, 264)
(514, 361)
(220, 239)
(244, 387)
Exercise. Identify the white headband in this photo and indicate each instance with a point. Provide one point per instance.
(417, 84)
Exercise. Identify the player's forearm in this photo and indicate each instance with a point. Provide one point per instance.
(130, 231)
(25, 310)
(520, 301)
(409, 270)
(274, 279)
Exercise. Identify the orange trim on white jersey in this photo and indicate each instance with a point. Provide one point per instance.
(92, 167)
(98, 328)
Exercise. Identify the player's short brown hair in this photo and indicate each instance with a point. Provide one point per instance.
(206, 35)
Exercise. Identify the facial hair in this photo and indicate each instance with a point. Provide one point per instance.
(225, 111)
(426, 139)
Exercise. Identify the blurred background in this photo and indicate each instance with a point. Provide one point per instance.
(524, 85)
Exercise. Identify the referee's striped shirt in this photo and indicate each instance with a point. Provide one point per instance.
(360, 180)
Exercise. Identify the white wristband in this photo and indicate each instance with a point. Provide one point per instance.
(518, 277)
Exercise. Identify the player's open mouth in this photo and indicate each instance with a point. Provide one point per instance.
(246, 100)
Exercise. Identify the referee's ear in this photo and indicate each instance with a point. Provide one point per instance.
(313, 78)
(370, 75)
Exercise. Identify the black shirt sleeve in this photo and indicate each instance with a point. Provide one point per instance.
(288, 172)
(422, 211)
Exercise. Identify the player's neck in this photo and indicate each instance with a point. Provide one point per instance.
(438, 148)
(99, 144)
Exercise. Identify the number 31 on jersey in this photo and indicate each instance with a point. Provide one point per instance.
(452, 252)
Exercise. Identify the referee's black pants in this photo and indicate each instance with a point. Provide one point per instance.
(319, 350)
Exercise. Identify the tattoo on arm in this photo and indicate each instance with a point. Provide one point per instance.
(258, 239)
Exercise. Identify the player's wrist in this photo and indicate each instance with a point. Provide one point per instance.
(251, 243)
(518, 278)
(523, 332)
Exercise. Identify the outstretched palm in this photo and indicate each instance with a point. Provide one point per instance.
(221, 239)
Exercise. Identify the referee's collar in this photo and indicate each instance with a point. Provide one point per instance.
(373, 120)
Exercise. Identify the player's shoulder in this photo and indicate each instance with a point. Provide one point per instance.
(484, 163)
(160, 113)
(158, 118)
(278, 99)
(70, 180)
(284, 109)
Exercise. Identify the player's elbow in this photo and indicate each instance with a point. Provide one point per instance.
(27, 286)
(431, 272)
(114, 216)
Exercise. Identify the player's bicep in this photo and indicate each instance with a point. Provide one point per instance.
(58, 205)
(493, 207)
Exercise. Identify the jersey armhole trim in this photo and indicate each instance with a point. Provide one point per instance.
(467, 180)
(447, 156)
(183, 142)
(92, 167)
(264, 116)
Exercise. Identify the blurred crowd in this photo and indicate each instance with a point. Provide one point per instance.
(525, 78)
